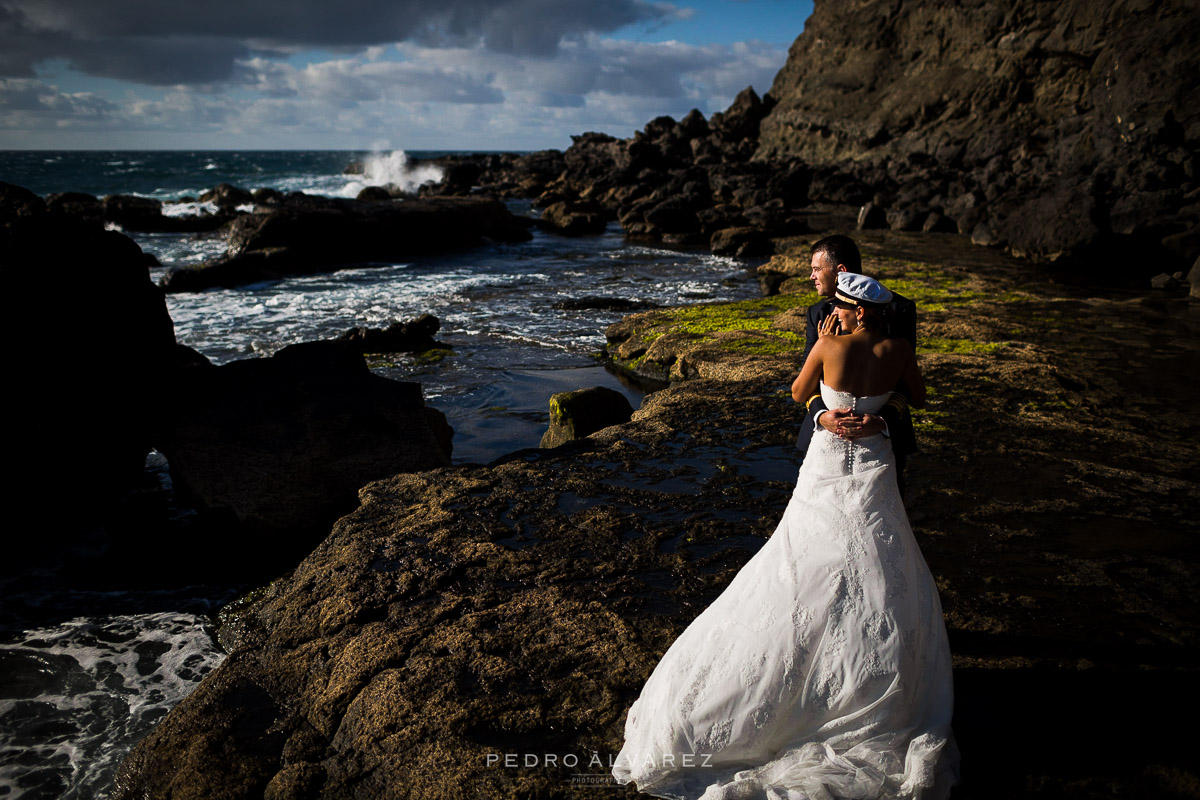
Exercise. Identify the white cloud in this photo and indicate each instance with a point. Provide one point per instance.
(30, 103)
(431, 98)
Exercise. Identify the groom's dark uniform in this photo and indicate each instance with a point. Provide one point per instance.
(901, 320)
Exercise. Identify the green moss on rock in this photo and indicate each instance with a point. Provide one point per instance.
(928, 344)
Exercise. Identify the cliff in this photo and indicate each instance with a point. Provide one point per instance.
(1060, 128)
(1059, 131)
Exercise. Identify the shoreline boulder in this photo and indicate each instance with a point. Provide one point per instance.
(304, 234)
(87, 338)
(399, 337)
(282, 445)
(574, 415)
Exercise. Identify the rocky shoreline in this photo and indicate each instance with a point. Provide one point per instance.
(460, 615)
(466, 613)
(1046, 130)
(1042, 129)
(270, 450)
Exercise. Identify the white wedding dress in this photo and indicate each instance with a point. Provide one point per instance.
(823, 669)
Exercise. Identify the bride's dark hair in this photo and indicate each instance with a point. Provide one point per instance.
(873, 319)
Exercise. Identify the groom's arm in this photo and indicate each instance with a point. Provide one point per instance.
(893, 412)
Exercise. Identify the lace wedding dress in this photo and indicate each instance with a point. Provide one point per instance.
(823, 669)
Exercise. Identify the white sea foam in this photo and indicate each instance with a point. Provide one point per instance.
(392, 169)
(170, 209)
(99, 684)
(175, 249)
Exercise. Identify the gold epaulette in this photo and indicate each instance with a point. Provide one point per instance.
(809, 402)
(899, 402)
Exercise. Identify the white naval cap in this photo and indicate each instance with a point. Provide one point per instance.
(859, 290)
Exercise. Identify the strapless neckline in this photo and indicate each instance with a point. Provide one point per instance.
(836, 398)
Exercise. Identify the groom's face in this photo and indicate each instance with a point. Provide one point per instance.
(824, 274)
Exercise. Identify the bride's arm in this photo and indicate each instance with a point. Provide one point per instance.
(806, 382)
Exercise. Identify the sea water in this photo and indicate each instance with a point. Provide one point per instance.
(85, 674)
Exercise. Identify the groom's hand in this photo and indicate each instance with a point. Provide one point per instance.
(845, 423)
(833, 419)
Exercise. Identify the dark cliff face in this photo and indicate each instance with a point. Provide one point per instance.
(1095, 105)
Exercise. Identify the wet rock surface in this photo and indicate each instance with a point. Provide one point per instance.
(415, 335)
(300, 234)
(280, 445)
(462, 614)
(573, 219)
(582, 412)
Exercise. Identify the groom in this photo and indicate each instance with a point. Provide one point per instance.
(832, 255)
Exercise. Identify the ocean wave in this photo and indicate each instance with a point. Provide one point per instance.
(187, 209)
(392, 169)
(100, 684)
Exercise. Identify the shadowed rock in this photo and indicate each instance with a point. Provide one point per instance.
(576, 414)
(399, 337)
(604, 303)
(302, 234)
(281, 445)
(574, 219)
(1077, 134)
(227, 197)
(76, 204)
(17, 201)
(87, 339)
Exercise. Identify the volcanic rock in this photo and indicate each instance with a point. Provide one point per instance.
(580, 413)
(86, 344)
(303, 234)
(374, 194)
(399, 337)
(134, 213)
(1076, 133)
(17, 201)
(227, 197)
(904, 219)
(267, 196)
(76, 204)
(744, 242)
(574, 219)
(871, 217)
(603, 303)
(742, 119)
(281, 445)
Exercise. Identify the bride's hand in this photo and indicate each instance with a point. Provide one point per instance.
(828, 326)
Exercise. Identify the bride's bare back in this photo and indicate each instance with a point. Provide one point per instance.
(864, 363)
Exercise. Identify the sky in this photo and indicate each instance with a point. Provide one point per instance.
(373, 74)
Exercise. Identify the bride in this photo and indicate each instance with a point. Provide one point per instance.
(823, 670)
